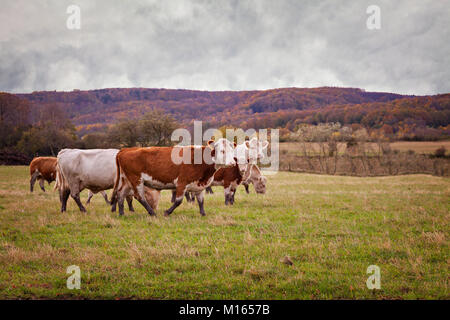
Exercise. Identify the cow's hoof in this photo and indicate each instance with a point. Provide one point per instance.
(166, 214)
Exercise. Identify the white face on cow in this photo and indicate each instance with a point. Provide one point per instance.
(250, 152)
(255, 149)
(223, 152)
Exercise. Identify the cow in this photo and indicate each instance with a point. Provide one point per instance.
(42, 169)
(93, 169)
(257, 179)
(155, 167)
(250, 152)
(230, 178)
(247, 155)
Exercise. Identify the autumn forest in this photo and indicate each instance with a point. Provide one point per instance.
(84, 115)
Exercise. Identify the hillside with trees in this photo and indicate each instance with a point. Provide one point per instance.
(41, 123)
(399, 116)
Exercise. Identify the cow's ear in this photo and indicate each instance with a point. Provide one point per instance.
(210, 144)
(265, 144)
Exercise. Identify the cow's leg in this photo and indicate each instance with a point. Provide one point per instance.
(139, 194)
(227, 191)
(200, 199)
(63, 197)
(179, 194)
(105, 196)
(41, 184)
(246, 188)
(120, 201)
(189, 196)
(233, 192)
(75, 194)
(33, 180)
(78, 202)
(90, 195)
(209, 190)
(174, 195)
(114, 198)
(130, 203)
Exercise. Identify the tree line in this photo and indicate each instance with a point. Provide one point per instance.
(46, 130)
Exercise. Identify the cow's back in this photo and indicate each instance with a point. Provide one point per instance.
(46, 167)
(157, 163)
(94, 169)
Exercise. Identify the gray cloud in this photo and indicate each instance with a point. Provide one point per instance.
(225, 45)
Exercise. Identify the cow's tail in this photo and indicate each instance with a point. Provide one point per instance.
(61, 182)
(116, 182)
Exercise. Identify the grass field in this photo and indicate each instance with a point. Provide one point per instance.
(331, 227)
(425, 147)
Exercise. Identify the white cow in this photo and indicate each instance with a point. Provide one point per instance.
(77, 170)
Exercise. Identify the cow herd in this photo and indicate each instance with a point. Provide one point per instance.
(141, 173)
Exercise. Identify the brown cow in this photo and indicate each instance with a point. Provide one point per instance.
(43, 169)
(155, 167)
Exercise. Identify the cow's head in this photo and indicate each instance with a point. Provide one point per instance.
(260, 184)
(255, 149)
(250, 152)
(223, 154)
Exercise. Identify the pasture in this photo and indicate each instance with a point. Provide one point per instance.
(331, 228)
(420, 147)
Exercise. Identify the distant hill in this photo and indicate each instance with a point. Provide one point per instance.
(285, 108)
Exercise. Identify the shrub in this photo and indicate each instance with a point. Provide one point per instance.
(440, 152)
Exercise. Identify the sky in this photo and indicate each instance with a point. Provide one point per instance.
(225, 45)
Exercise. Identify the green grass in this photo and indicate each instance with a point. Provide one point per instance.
(332, 228)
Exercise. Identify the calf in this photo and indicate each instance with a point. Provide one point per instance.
(42, 169)
(155, 167)
(77, 170)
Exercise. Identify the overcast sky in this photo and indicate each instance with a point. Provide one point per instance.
(225, 45)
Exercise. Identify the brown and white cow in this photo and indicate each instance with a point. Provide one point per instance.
(247, 155)
(156, 168)
(42, 169)
(231, 178)
(257, 179)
